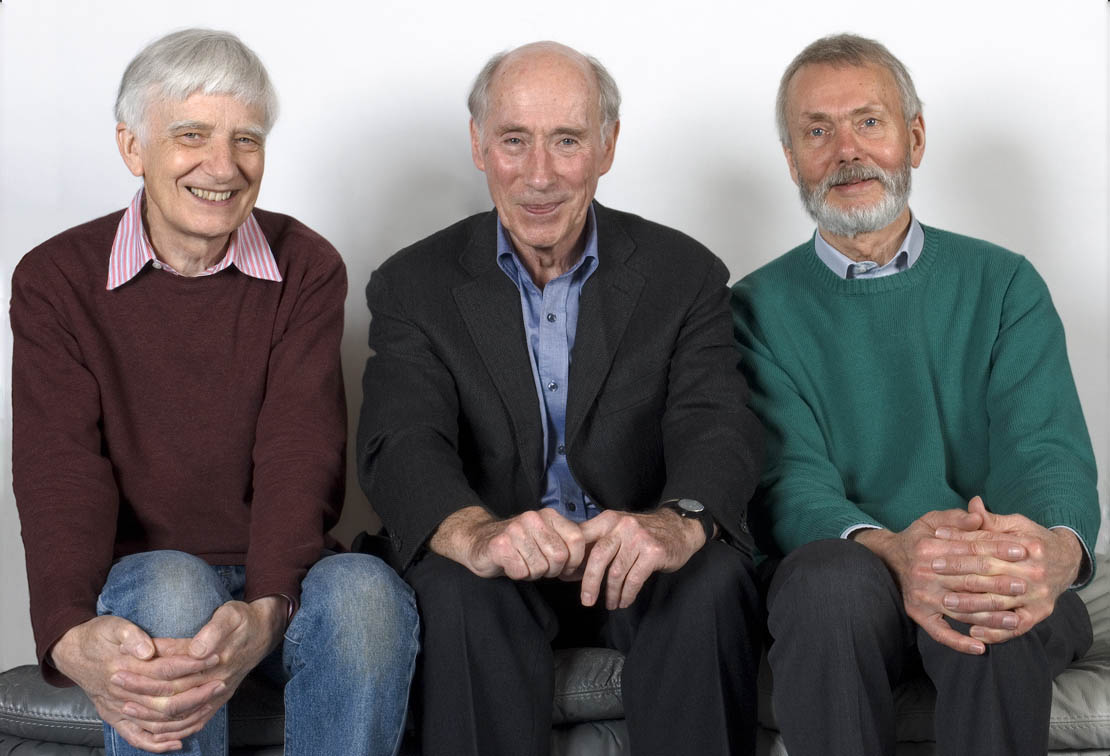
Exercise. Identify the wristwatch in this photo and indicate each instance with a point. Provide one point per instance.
(692, 509)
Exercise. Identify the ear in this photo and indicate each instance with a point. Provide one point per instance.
(130, 148)
(476, 147)
(789, 154)
(610, 149)
(917, 140)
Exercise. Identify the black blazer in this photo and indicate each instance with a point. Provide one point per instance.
(656, 408)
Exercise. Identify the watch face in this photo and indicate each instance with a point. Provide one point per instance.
(691, 506)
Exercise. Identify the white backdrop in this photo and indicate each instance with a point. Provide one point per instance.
(371, 148)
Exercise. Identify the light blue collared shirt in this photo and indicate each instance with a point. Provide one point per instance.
(550, 322)
(847, 268)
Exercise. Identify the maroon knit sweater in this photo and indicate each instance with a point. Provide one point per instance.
(200, 414)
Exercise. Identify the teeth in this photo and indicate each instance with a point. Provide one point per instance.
(212, 196)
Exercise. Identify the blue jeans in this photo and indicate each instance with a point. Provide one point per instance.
(347, 657)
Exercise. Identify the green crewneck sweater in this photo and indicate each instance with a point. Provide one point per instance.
(886, 398)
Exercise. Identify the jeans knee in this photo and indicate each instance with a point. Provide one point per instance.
(356, 608)
(169, 594)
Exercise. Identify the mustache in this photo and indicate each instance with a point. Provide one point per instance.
(853, 172)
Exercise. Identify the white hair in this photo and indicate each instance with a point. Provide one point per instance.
(189, 61)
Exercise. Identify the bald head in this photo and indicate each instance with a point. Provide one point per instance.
(548, 56)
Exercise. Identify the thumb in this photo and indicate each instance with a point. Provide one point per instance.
(210, 638)
(133, 640)
(977, 507)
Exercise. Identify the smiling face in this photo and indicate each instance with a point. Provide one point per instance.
(851, 149)
(201, 163)
(541, 148)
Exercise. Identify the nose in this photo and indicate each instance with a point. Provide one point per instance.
(540, 168)
(846, 143)
(219, 162)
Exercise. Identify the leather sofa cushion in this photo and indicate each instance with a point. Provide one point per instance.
(587, 684)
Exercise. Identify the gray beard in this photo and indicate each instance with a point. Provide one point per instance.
(858, 220)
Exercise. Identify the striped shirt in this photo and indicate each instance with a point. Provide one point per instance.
(248, 250)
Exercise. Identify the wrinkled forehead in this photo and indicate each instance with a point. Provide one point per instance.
(223, 110)
(827, 88)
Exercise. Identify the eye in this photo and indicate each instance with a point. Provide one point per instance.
(871, 122)
(817, 131)
(568, 141)
(513, 140)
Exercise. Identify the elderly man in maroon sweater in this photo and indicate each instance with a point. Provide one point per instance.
(178, 445)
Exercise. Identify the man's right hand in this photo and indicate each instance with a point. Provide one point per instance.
(532, 545)
(95, 652)
(910, 556)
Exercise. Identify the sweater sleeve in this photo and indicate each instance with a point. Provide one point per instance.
(64, 487)
(1041, 462)
(801, 497)
(299, 453)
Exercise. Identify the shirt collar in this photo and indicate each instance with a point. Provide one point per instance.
(846, 267)
(510, 263)
(248, 250)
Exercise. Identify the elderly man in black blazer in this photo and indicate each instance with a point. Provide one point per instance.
(556, 437)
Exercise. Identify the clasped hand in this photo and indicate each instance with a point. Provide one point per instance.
(999, 574)
(617, 551)
(157, 691)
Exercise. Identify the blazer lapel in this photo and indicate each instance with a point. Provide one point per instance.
(605, 307)
(489, 304)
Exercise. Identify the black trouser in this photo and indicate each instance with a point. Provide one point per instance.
(691, 641)
(841, 641)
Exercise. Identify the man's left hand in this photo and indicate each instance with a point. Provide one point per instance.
(625, 548)
(1052, 564)
(240, 634)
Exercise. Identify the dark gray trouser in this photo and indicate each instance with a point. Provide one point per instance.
(691, 643)
(841, 641)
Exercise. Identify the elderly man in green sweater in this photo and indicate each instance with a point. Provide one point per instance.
(929, 498)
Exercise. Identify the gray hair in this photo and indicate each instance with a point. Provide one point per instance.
(609, 96)
(848, 50)
(189, 61)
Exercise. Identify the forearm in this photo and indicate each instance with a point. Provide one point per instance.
(454, 538)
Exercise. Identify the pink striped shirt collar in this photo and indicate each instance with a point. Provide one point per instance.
(248, 250)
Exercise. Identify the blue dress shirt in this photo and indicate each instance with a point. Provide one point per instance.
(550, 321)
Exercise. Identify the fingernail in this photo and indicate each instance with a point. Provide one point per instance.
(196, 648)
(944, 533)
(1009, 622)
(1016, 587)
(976, 632)
(220, 688)
(951, 601)
(978, 648)
(587, 599)
(145, 650)
(939, 563)
(1015, 552)
(116, 679)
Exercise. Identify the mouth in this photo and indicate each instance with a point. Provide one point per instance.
(204, 194)
(546, 208)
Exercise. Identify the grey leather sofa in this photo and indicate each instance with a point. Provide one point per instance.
(39, 720)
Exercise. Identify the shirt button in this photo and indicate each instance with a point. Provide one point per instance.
(156, 265)
(553, 386)
(550, 317)
(570, 506)
(562, 449)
